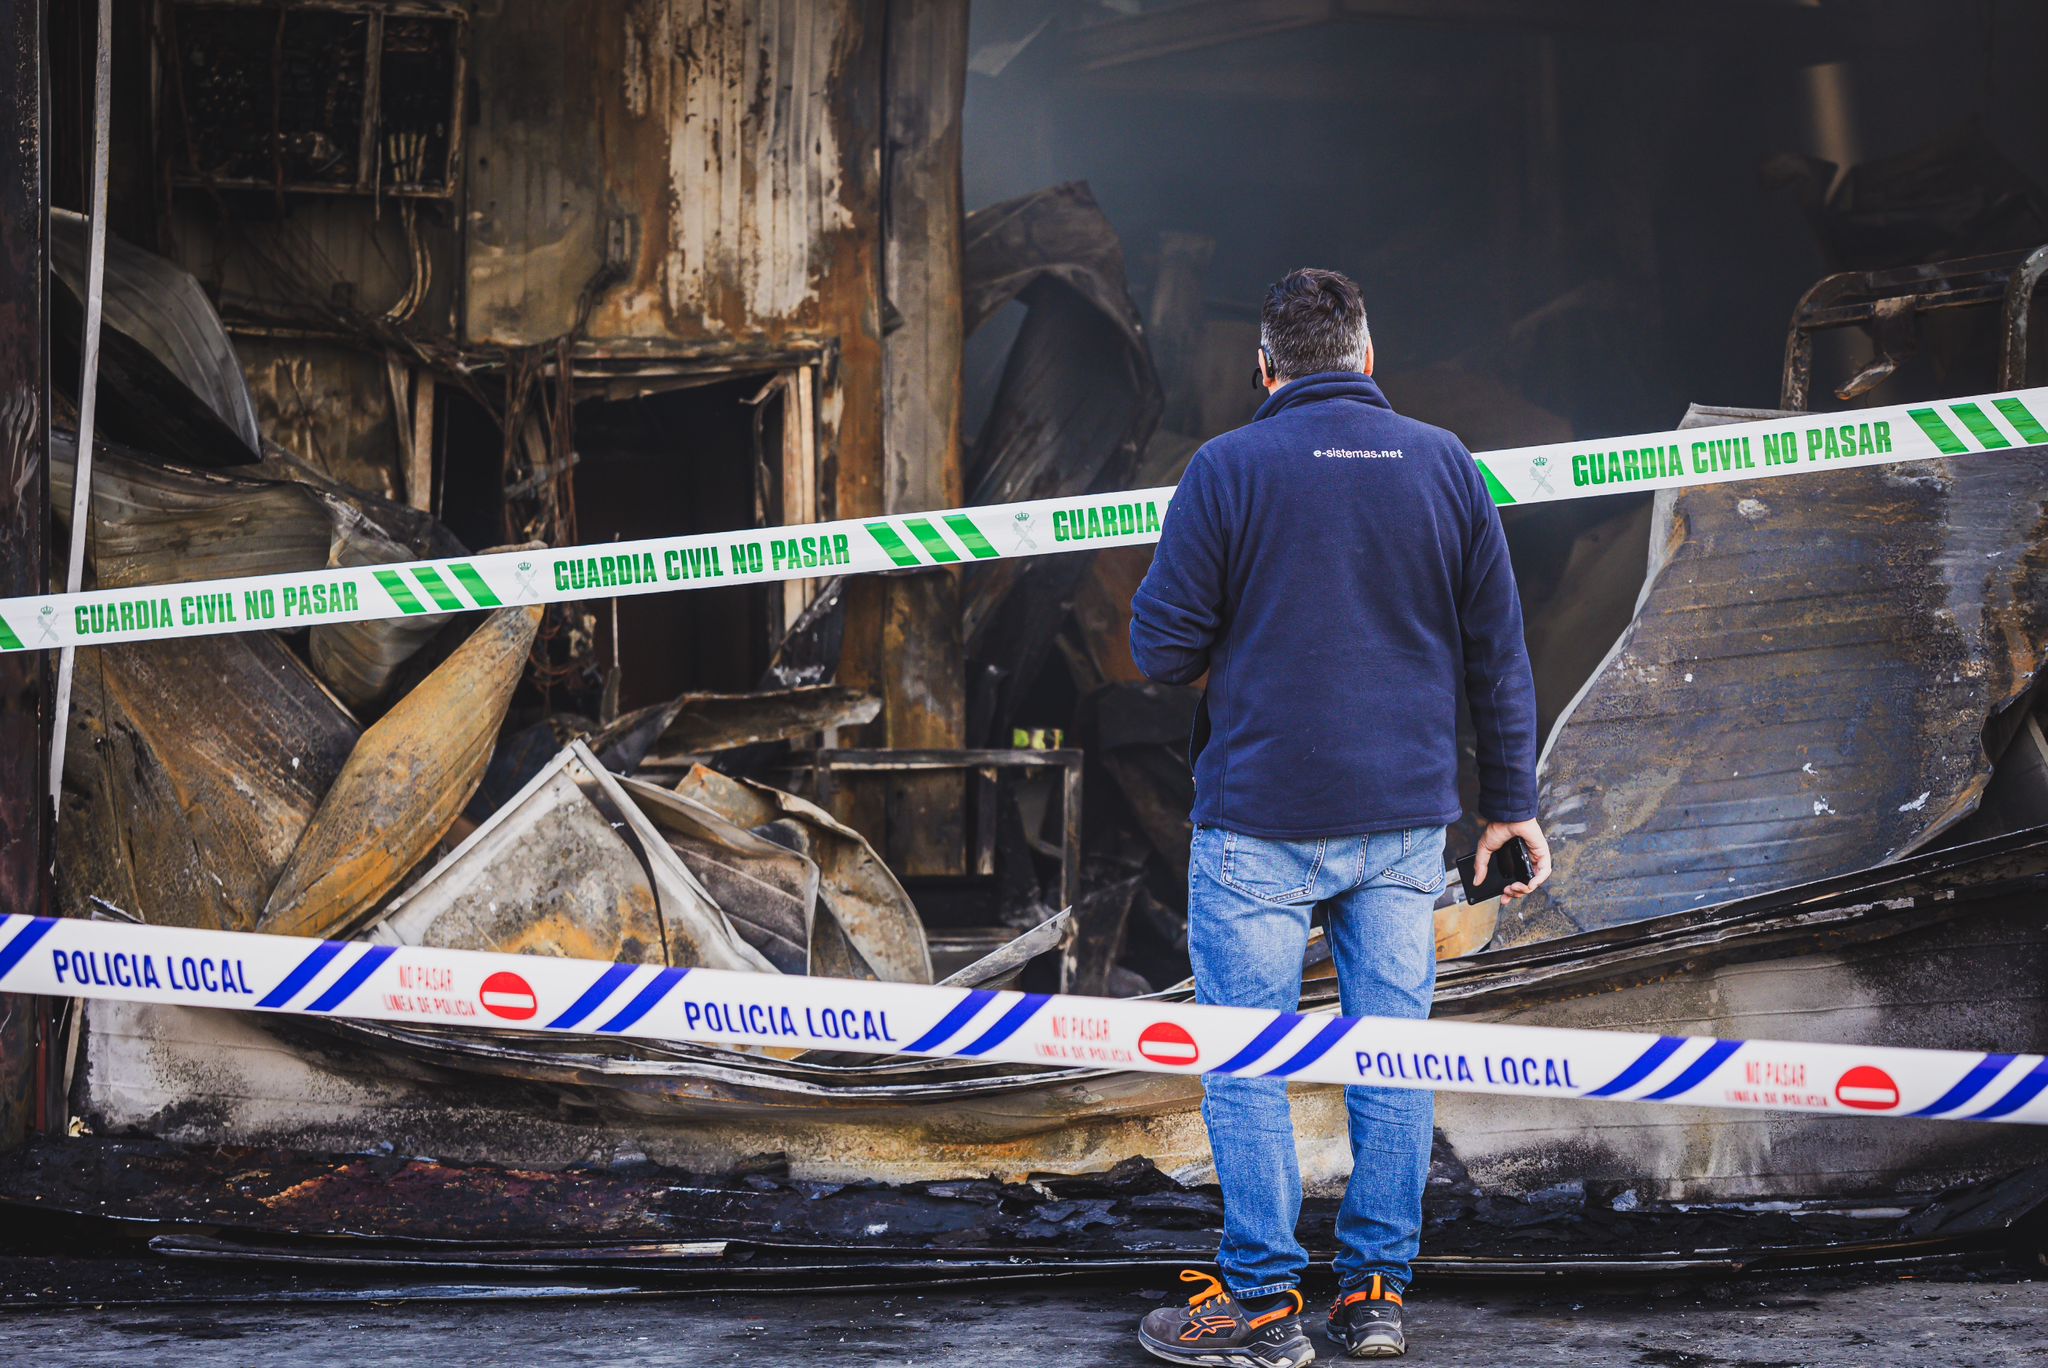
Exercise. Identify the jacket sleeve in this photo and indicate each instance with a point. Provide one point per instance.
(1499, 688)
(1178, 610)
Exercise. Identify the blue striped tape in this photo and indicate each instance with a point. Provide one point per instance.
(1318, 1046)
(593, 996)
(2021, 1093)
(1006, 1025)
(1695, 1072)
(963, 1011)
(1272, 1034)
(24, 941)
(352, 978)
(1640, 1068)
(1968, 1086)
(290, 986)
(643, 1002)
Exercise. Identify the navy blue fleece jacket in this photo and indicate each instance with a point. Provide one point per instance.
(1340, 572)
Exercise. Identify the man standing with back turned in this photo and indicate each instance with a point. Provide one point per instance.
(1339, 572)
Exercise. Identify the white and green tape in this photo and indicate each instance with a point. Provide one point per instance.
(1768, 448)
(964, 536)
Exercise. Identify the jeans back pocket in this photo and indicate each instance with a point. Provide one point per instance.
(1421, 866)
(1271, 870)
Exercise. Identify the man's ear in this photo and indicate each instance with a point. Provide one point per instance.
(1368, 356)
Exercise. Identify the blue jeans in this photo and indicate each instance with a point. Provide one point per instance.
(1249, 902)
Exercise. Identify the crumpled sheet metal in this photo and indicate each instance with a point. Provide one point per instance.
(767, 891)
(570, 867)
(158, 306)
(404, 784)
(1077, 403)
(164, 524)
(863, 905)
(362, 660)
(1803, 690)
(695, 724)
(550, 875)
(192, 771)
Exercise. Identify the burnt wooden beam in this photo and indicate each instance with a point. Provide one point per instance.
(24, 528)
(922, 671)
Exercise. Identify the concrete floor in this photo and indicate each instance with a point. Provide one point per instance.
(1755, 1324)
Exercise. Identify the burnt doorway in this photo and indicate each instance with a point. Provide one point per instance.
(654, 455)
(675, 463)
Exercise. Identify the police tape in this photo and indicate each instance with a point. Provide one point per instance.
(373, 981)
(968, 536)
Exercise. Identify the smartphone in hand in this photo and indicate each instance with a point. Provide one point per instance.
(1510, 865)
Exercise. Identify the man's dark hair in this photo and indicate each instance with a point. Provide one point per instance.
(1313, 321)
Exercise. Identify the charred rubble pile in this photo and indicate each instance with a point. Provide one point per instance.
(1770, 819)
(405, 778)
(435, 778)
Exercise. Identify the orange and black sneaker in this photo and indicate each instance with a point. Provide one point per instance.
(1215, 1327)
(1366, 1321)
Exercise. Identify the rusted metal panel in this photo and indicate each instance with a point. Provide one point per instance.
(924, 682)
(703, 161)
(1803, 691)
(328, 405)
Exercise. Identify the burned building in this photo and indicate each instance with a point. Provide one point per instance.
(399, 278)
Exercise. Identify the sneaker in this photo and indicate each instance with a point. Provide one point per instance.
(1214, 1327)
(1367, 1322)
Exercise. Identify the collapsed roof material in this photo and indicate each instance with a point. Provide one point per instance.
(674, 733)
(193, 770)
(633, 1229)
(1804, 689)
(1077, 402)
(767, 891)
(164, 524)
(871, 930)
(172, 381)
(571, 866)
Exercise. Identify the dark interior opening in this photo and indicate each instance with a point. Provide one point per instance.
(674, 464)
(677, 463)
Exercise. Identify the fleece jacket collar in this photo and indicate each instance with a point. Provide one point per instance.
(1313, 389)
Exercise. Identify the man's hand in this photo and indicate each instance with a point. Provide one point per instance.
(1498, 834)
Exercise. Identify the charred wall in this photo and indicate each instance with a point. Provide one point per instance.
(24, 526)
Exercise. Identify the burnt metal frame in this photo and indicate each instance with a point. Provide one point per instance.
(985, 765)
(368, 169)
(1877, 299)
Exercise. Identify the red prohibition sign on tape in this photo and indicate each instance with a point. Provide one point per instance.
(1165, 1043)
(507, 995)
(1867, 1088)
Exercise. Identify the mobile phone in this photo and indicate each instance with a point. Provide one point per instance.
(1510, 864)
